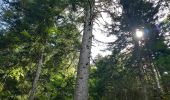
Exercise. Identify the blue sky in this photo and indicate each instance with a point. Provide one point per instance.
(0, 1)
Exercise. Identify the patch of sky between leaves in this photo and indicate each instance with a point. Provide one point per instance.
(101, 34)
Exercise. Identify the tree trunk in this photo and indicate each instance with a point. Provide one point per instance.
(34, 85)
(81, 90)
(159, 90)
(143, 82)
(142, 74)
(157, 81)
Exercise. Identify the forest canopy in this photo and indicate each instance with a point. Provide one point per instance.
(46, 50)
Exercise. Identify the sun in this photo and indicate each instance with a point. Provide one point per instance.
(139, 33)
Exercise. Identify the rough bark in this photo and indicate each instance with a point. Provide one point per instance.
(38, 71)
(81, 90)
(159, 89)
(142, 74)
(143, 83)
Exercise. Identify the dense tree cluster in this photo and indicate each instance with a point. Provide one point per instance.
(43, 55)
